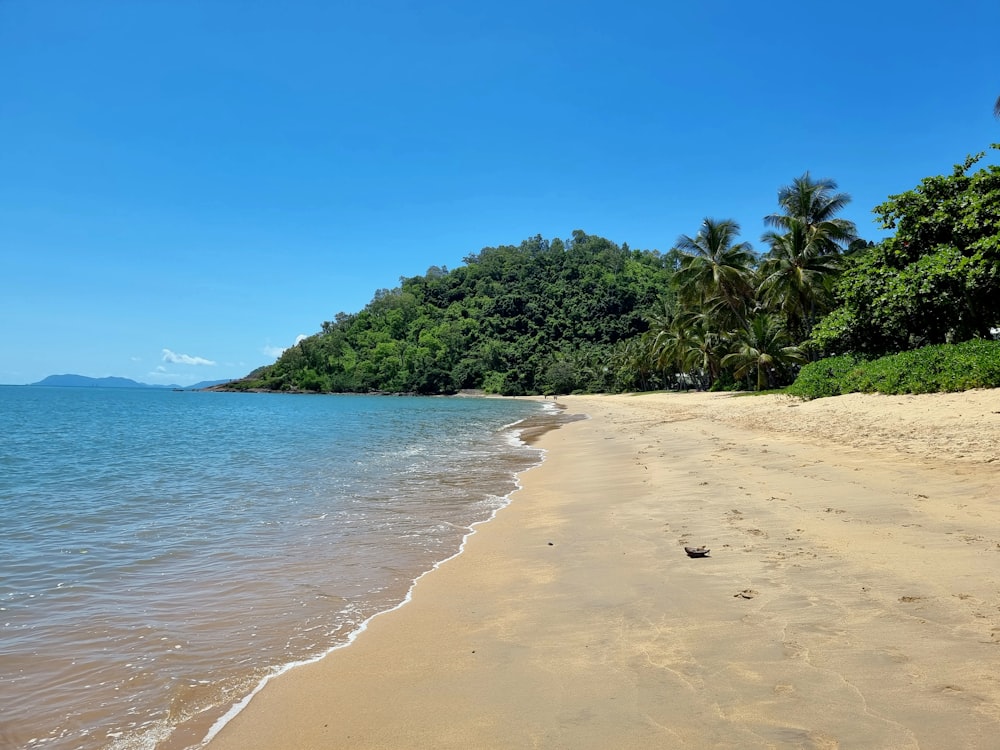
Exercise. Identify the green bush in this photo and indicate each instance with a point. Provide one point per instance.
(825, 377)
(932, 369)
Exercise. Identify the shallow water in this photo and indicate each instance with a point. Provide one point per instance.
(162, 552)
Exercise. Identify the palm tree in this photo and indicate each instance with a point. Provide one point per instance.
(667, 343)
(661, 315)
(795, 275)
(685, 343)
(713, 267)
(704, 352)
(762, 346)
(633, 363)
(816, 204)
(805, 250)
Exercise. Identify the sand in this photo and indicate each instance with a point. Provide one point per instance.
(851, 598)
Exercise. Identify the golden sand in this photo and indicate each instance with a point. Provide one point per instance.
(851, 598)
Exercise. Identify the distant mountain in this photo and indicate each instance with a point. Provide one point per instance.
(82, 381)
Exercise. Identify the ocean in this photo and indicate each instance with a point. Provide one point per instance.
(164, 552)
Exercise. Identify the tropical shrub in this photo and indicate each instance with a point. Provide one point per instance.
(930, 369)
(825, 377)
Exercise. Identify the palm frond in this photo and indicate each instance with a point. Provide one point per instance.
(815, 202)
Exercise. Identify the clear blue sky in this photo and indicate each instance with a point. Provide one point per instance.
(187, 186)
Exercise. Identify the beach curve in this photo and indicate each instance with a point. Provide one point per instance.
(851, 597)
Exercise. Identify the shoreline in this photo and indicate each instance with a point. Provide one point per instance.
(850, 598)
(200, 729)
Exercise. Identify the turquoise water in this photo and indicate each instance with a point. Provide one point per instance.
(164, 551)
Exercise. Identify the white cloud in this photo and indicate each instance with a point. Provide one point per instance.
(184, 359)
(277, 351)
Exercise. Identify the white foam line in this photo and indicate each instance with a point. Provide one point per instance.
(234, 711)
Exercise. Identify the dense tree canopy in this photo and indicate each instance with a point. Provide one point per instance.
(937, 280)
(541, 316)
(586, 314)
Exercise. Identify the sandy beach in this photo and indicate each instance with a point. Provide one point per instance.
(851, 598)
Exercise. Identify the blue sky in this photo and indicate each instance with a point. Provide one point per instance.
(186, 187)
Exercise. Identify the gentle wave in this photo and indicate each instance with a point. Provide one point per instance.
(166, 553)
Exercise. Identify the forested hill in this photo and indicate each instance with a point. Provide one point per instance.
(588, 315)
(544, 316)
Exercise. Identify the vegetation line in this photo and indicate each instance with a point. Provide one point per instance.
(588, 315)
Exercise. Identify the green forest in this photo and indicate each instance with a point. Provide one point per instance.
(551, 316)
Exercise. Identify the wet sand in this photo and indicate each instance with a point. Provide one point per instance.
(851, 598)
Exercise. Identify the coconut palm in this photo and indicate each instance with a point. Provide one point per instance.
(661, 315)
(633, 363)
(704, 352)
(659, 339)
(795, 275)
(668, 345)
(713, 267)
(816, 204)
(762, 346)
(686, 343)
(706, 341)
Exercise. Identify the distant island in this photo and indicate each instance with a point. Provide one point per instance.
(82, 381)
